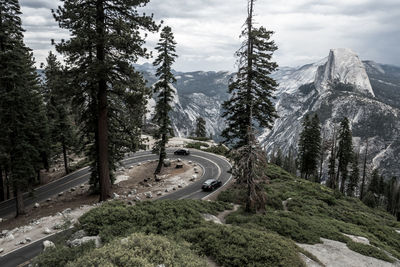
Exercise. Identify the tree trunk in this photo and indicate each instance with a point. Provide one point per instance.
(19, 201)
(364, 172)
(64, 148)
(104, 171)
(45, 161)
(7, 183)
(1, 185)
(162, 154)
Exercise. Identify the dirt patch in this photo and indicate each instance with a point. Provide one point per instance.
(69, 199)
(138, 182)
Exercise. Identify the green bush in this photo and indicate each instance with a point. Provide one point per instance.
(235, 246)
(196, 145)
(199, 138)
(219, 150)
(61, 255)
(115, 219)
(368, 250)
(141, 250)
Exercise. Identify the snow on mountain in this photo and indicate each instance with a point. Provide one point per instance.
(344, 66)
(339, 85)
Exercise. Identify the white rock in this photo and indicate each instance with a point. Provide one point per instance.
(137, 198)
(134, 191)
(358, 239)
(48, 200)
(37, 205)
(139, 164)
(82, 186)
(115, 196)
(130, 167)
(1, 220)
(179, 160)
(47, 231)
(148, 194)
(159, 193)
(1, 250)
(48, 244)
(60, 194)
(190, 162)
(10, 237)
(85, 239)
(398, 231)
(28, 239)
(73, 189)
(68, 210)
(211, 218)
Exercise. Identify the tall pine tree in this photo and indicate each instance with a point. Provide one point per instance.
(250, 106)
(354, 176)
(166, 57)
(310, 146)
(58, 109)
(22, 111)
(106, 38)
(200, 127)
(344, 153)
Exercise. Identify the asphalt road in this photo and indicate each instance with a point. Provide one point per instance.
(213, 167)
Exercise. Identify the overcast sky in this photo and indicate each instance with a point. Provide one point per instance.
(207, 31)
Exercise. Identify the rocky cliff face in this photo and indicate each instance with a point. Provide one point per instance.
(340, 85)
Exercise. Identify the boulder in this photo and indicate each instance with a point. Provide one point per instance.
(133, 192)
(73, 189)
(137, 198)
(37, 205)
(190, 162)
(47, 231)
(66, 211)
(148, 195)
(179, 160)
(28, 239)
(211, 218)
(115, 196)
(78, 235)
(60, 194)
(10, 237)
(48, 244)
(167, 163)
(1, 250)
(82, 186)
(179, 166)
(85, 239)
(159, 193)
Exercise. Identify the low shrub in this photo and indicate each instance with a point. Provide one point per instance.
(219, 150)
(60, 255)
(141, 250)
(115, 219)
(369, 251)
(197, 145)
(199, 138)
(236, 246)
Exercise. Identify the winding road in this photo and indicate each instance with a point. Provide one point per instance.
(213, 166)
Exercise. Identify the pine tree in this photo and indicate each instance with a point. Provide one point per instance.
(332, 162)
(354, 176)
(374, 183)
(200, 127)
(251, 90)
(166, 57)
(58, 113)
(309, 146)
(106, 37)
(345, 150)
(21, 116)
(250, 105)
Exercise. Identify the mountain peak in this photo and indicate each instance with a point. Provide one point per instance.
(344, 66)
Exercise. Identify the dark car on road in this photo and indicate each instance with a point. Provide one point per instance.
(211, 184)
(182, 152)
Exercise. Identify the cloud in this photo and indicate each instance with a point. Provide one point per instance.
(207, 31)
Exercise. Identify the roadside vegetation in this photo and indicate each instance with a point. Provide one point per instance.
(305, 211)
(178, 230)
